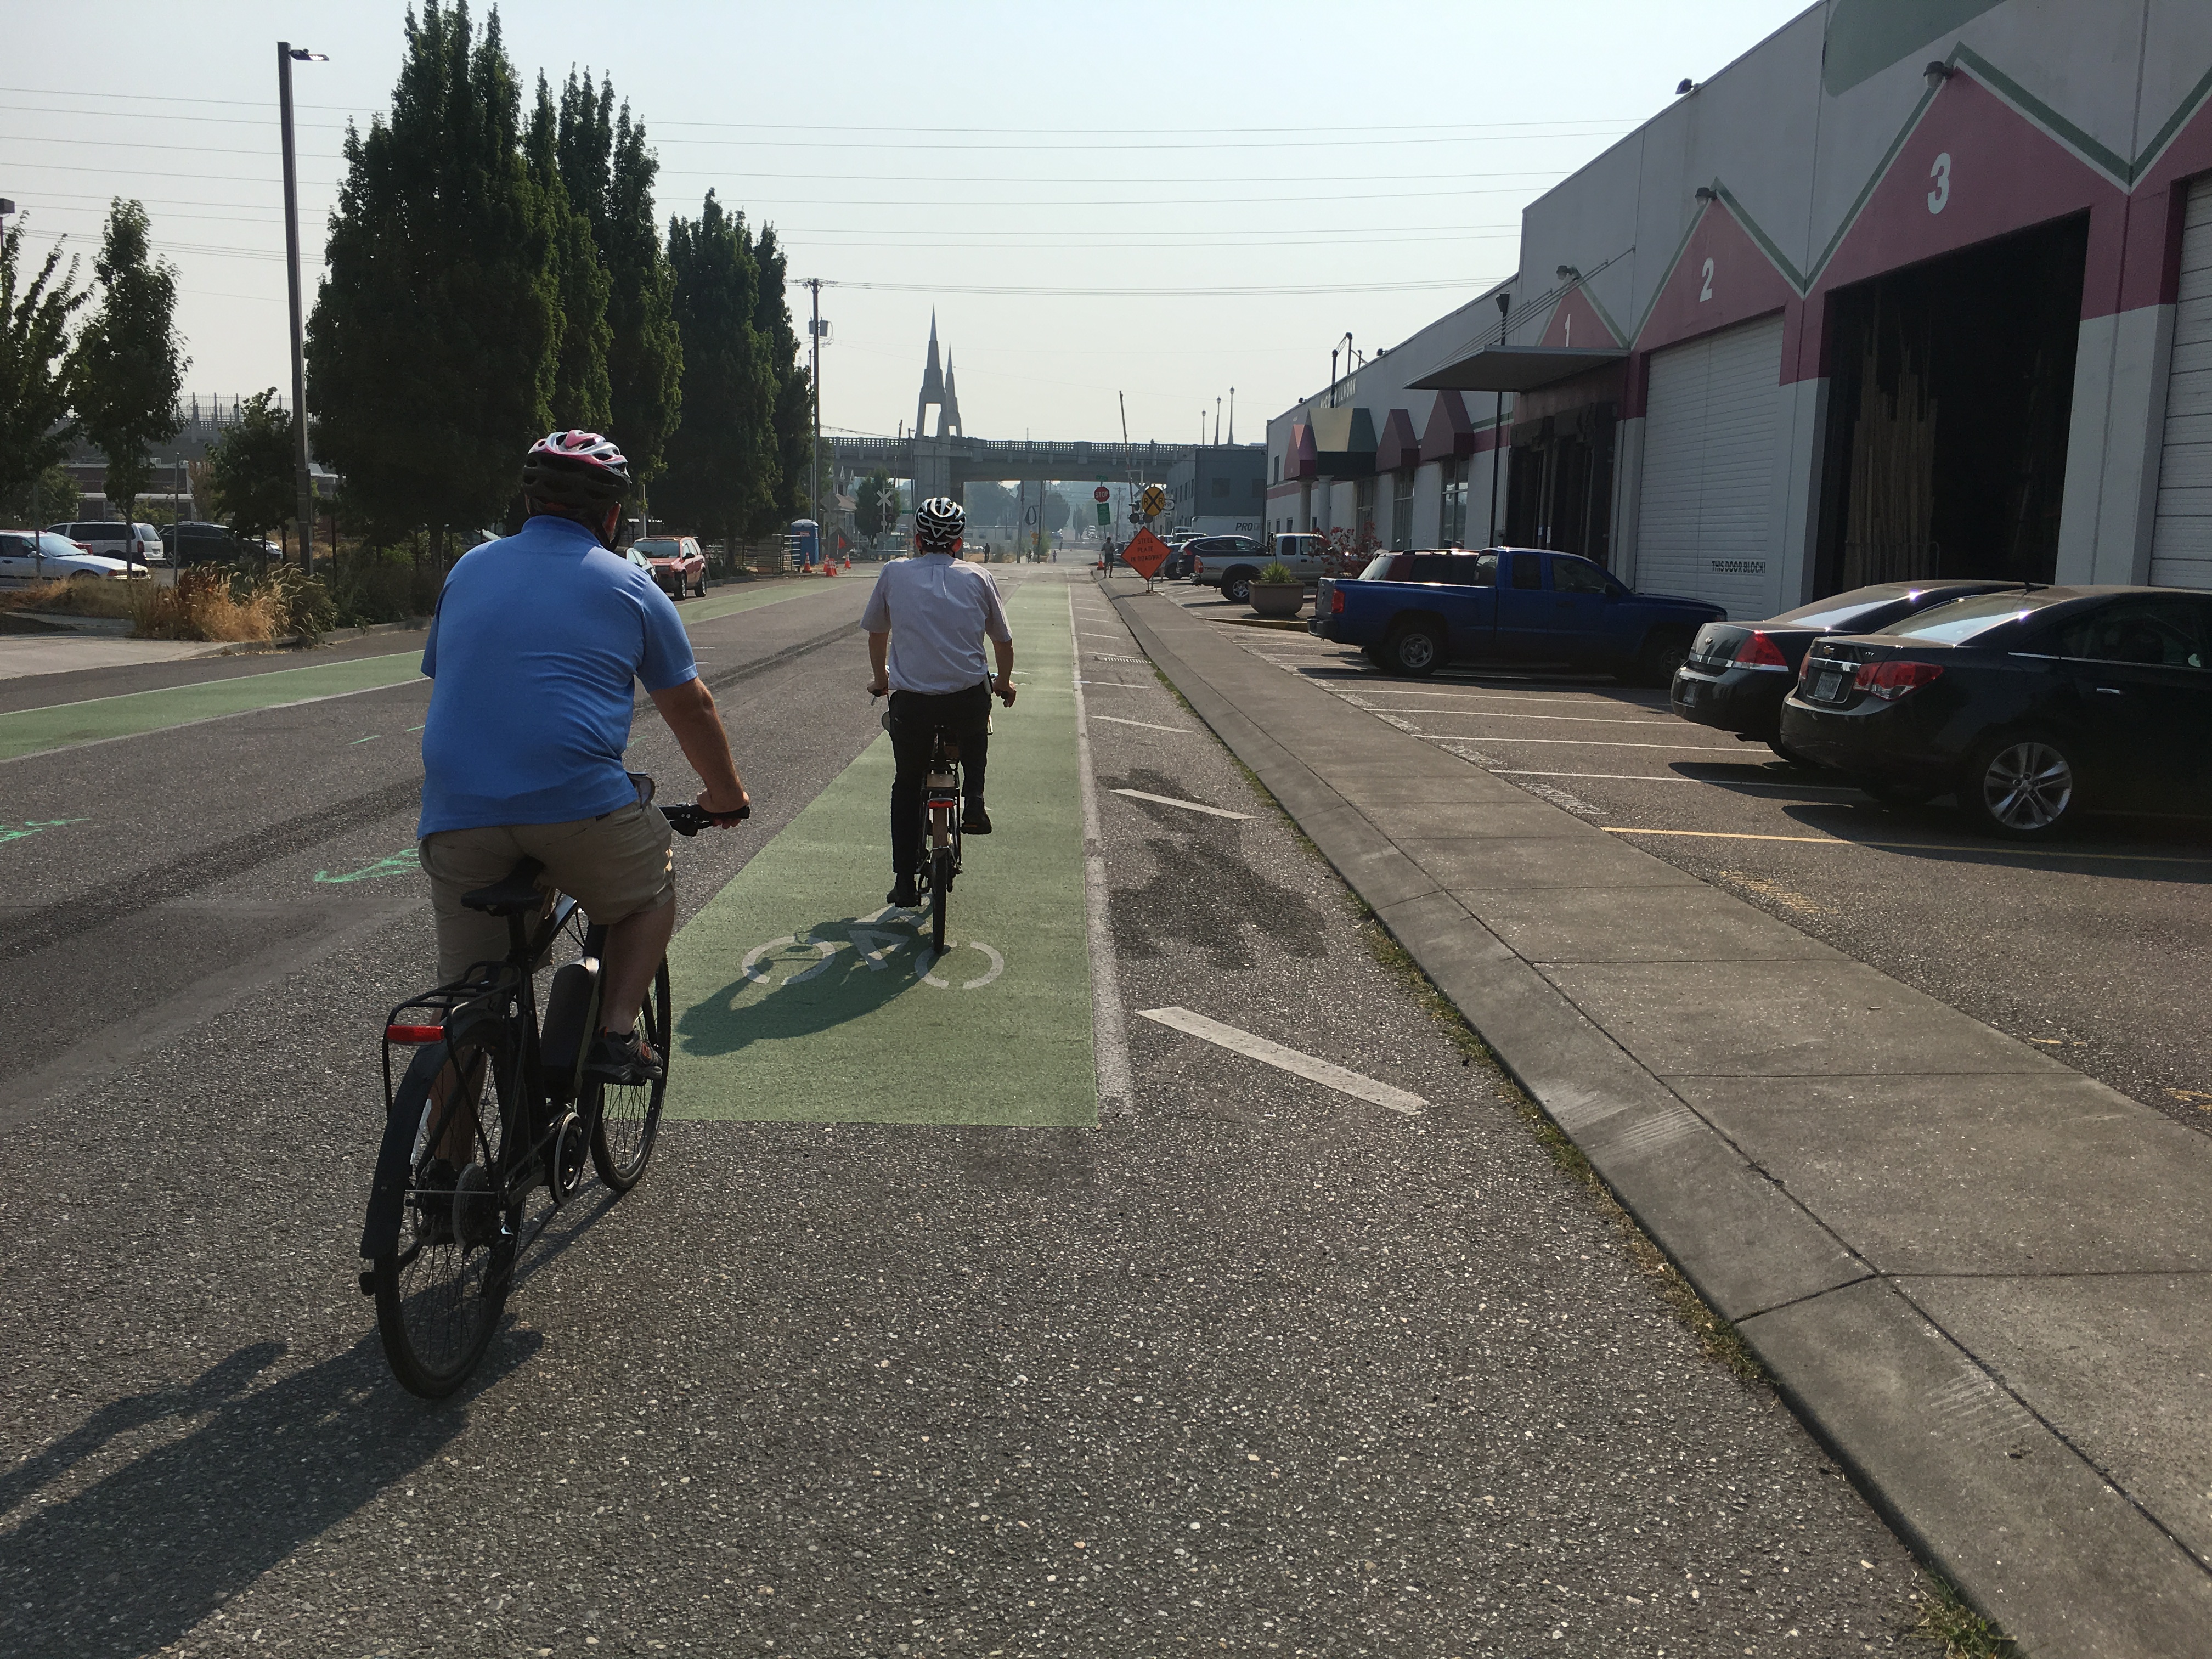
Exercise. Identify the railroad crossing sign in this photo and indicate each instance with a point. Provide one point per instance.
(1145, 554)
(1102, 494)
(1154, 501)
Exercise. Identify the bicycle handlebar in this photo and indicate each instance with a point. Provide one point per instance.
(690, 820)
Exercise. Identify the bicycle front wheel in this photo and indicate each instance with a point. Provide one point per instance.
(440, 1294)
(940, 883)
(626, 1117)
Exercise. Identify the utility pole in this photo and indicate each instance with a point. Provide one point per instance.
(814, 373)
(1233, 414)
(1497, 424)
(286, 54)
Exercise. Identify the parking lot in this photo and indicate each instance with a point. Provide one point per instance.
(2112, 983)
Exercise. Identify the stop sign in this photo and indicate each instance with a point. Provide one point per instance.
(1101, 494)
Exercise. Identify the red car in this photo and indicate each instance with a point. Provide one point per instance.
(677, 563)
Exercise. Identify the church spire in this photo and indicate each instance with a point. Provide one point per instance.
(933, 384)
(948, 417)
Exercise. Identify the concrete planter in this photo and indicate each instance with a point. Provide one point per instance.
(1278, 599)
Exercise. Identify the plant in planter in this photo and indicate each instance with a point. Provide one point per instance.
(1276, 591)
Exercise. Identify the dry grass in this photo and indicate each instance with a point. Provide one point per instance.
(90, 596)
(202, 606)
(1946, 1621)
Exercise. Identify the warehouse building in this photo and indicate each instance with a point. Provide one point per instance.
(1915, 288)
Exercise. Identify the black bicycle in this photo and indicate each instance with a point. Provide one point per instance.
(492, 1104)
(939, 860)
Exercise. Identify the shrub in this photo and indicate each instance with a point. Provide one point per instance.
(211, 603)
(1276, 571)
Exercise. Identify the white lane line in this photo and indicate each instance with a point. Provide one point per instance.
(1186, 805)
(1109, 656)
(1180, 731)
(1088, 634)
(1287, 1060)
(1110, 1041)
(1118, 685)
(1575, 743)
(1646, 777)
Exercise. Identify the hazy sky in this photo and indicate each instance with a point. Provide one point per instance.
(1009, 165)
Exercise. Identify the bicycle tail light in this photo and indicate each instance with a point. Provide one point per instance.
(412, 1034)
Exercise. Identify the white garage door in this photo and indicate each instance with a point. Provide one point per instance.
(1705, 526)
(2181, 538)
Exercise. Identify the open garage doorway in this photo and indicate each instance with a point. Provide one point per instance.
(1951, 383)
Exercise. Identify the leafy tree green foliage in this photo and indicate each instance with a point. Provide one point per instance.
(433, 351)
(1057, 511)
(723, 477)
(609, 173)
(989, 503)
(581, 395)
(35, 424)
(250, 470)
(129, 369)
(51, 498)
(793, 418)
(876, 503)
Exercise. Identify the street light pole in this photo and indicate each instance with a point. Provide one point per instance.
(1497, 423)
(286, 53)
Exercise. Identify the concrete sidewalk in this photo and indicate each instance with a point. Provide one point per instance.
(1979, 1276)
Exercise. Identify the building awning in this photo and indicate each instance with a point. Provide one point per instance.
(1518, 368)
(1397, 447)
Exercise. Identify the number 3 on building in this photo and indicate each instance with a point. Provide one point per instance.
(1941, 173)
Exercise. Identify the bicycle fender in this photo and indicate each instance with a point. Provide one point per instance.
(387, 1192)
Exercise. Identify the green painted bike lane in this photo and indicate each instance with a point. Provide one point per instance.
(799, 997)
(31, 731)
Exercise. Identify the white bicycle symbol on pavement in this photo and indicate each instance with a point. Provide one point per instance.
(875, 945)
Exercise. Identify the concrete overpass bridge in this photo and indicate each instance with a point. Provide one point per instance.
(941, 466)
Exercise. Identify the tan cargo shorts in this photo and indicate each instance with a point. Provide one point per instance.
(615, 865)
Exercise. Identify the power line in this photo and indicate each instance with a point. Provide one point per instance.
(1161, 293)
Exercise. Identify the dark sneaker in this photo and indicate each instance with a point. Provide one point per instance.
(974, 820)
(623, 1057)
(903, 895)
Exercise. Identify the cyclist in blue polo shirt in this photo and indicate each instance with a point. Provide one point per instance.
(536, 642)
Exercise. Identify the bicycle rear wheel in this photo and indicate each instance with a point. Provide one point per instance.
(940, 883)
(440, 1294)
(625, 1117)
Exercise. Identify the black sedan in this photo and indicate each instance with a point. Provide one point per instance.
(1737, 673)
(2033, 705)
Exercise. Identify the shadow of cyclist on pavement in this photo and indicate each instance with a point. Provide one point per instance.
(138, 1558)
(870, 964)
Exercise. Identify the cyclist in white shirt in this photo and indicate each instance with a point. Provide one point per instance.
(926, 622)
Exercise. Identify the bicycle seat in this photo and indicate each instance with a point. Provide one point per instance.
(514, 893)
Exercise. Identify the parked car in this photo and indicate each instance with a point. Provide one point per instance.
(1224, 549)
(194, 542)
(676, 563)
(1412, 613)
(1233, 573)
(2033, 705)
(117, 540)
(30, 556)
(1737, 673)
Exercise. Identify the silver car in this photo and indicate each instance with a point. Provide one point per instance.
(117, 540)
(30, 556)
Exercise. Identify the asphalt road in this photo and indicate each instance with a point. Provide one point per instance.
(1253, 1364)
(2091, 949)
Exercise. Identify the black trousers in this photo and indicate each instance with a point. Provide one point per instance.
(916, 718)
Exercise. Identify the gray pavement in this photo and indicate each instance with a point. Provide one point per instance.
(1977, 1274)
(1255, 1366)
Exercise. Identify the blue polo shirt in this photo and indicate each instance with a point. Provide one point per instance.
(537, 639)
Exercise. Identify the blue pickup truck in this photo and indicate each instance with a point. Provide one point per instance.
(1412, 613)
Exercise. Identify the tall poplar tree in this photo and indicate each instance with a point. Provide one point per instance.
(793, 418)
(581, 397)
(35, 422)
(723, 477)
(646, 356)
(433, 351)
(129, 368)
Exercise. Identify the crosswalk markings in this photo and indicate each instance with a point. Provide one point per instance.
(1329, 1076)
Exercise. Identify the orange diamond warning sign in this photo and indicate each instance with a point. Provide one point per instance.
(1145, 554)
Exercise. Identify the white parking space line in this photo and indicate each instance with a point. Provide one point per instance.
(1575, 743)
(1661, 722)
(1977, 849)
(1186, 805)
(1116, 719)
(1287, 1060)
(1648, 777)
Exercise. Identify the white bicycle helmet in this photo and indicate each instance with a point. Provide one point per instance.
(938, 522)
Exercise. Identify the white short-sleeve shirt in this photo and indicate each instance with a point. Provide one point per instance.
(937, 608)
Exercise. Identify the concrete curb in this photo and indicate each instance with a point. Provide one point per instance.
(1988, 1491)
